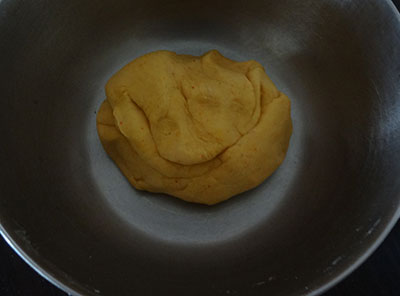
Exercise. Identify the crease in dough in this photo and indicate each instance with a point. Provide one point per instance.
(199, 128)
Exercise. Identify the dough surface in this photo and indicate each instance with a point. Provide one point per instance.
(202, 129)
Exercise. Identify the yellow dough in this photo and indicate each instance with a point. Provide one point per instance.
(202, 129)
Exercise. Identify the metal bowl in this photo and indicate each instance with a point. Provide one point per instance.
(69, 212)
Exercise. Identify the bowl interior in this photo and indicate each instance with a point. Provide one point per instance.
(65, 205)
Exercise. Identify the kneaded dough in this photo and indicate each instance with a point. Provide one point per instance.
(202, 129)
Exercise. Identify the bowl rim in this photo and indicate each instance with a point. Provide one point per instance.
(61, 283)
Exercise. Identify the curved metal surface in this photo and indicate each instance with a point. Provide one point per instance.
(68, 211)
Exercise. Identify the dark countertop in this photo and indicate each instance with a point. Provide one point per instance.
(378, 276)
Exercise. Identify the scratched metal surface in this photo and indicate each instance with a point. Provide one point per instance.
(65, 207)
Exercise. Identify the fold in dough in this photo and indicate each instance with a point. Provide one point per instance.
(199, 128)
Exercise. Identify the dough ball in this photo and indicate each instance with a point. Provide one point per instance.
(202, 129)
